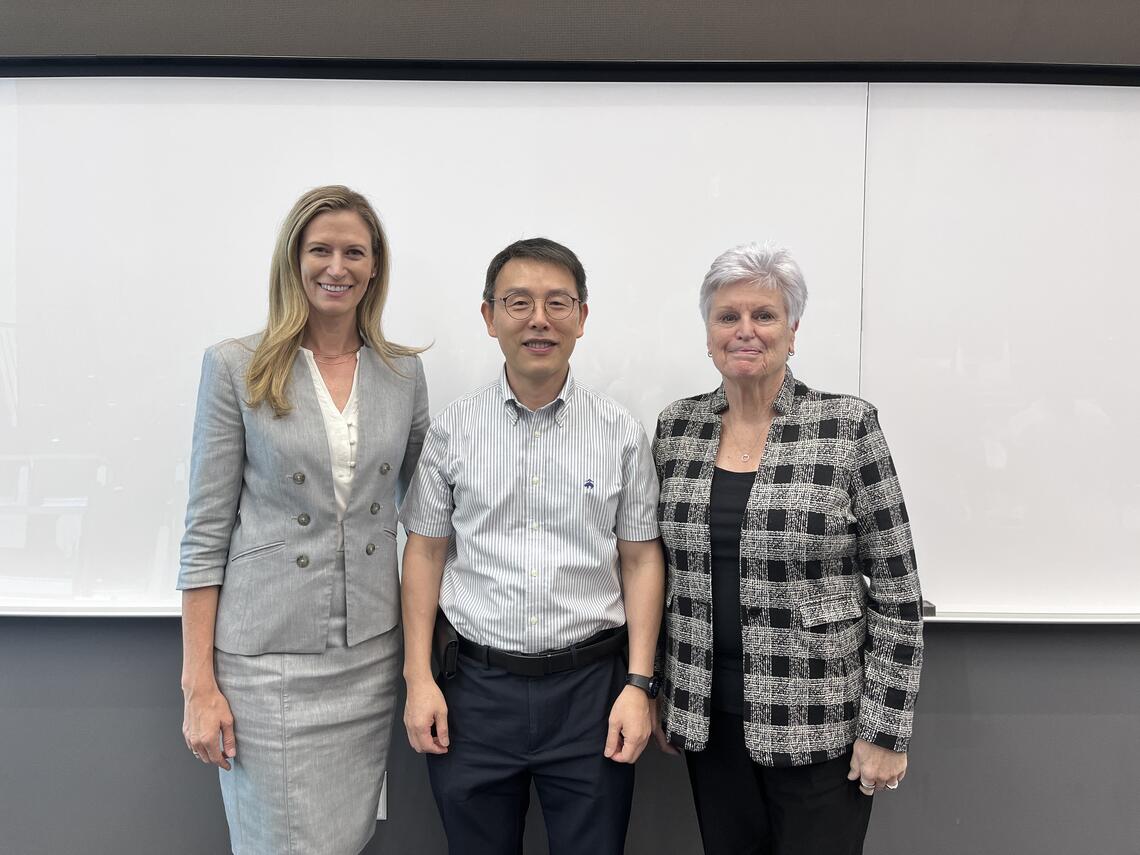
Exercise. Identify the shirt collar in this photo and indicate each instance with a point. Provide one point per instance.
(558, 405)
(782, 403)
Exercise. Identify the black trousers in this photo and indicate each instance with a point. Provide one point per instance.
(507, 731)
(747, 809)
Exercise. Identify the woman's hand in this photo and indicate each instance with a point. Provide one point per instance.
(208, 726)
(876, 768)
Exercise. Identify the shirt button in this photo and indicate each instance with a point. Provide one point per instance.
(303, 519)
(298, 477)
(534, 480)
(533, 620)
(375, 508)
(385, 468)
(352, 464)
(370, 548)
(535, 526)
(352, 442)
(302, 561)
(533, 572)
(538, 433)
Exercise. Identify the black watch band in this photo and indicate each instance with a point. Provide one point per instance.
(650, 685)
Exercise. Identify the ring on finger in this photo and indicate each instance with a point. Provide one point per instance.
(893, 786)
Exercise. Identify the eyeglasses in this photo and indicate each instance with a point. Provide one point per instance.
(520, 306)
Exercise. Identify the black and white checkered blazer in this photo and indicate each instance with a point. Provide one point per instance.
(830, 606)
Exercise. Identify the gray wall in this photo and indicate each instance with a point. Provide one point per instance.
(1028, 741)
(1090, 31)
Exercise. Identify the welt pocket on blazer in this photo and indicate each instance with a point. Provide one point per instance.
(257, 550)
(831, 608)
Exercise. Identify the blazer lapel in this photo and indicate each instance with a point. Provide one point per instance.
(308, 420)
(374, 416)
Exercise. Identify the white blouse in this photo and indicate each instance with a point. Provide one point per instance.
(341, 432)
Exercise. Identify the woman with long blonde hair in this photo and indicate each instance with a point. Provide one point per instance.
(304, 439)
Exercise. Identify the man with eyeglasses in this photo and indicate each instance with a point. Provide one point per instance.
(532, 530)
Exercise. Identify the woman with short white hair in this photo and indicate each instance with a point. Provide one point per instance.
(794, 617)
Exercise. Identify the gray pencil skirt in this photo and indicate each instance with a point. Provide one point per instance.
(312, 736)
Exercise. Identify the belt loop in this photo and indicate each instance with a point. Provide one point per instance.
(574, 656)
(485, 655)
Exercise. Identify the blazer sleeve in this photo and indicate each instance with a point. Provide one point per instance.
(892, 653)
(217, 462)
(420, 421)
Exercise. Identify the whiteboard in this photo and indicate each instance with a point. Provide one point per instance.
(1000, 302)
(137, 219)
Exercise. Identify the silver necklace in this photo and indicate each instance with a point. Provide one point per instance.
(746, 454)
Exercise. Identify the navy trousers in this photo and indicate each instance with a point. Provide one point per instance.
(507, 731)
(747, 809)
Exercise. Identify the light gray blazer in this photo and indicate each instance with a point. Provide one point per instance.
(261, 518)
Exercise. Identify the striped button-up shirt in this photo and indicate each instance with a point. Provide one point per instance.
(534, 503)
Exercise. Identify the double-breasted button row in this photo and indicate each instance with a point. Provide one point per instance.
(374, 509)
(303, 560)
(303, 519)
(385, 468)
(298, 477)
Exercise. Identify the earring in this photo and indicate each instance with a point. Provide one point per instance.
(708, 353)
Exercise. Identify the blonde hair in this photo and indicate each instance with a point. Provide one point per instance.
(272, 362)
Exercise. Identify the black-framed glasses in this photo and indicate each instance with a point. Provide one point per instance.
(520, 305)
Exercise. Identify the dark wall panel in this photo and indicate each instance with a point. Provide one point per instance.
(1025, 743)
(1040, 31)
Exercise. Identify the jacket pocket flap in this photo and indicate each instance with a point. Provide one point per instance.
(831, 608)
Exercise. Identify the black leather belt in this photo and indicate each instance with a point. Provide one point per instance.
(598, 646)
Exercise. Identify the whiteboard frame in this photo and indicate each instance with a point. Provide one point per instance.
(577, 71)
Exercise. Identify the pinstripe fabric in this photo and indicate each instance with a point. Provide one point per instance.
(534, 503)
(827, 656)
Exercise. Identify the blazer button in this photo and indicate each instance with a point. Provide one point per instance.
(303, 519)
(375, 509)
(302, 561)
(370, 548)
(385, 468)
(298, 477)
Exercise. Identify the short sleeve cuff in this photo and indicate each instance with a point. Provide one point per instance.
(425, 526)
(637, 532)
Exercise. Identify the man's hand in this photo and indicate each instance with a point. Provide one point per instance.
(630, 726)
(426, 709)
(876, 768)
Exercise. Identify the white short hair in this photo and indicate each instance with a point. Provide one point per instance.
(765, 265)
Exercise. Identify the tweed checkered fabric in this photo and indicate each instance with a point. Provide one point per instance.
(830, 606)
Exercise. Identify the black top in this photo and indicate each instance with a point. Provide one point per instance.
(727, 502)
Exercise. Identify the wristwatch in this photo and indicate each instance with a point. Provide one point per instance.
(650, 685)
